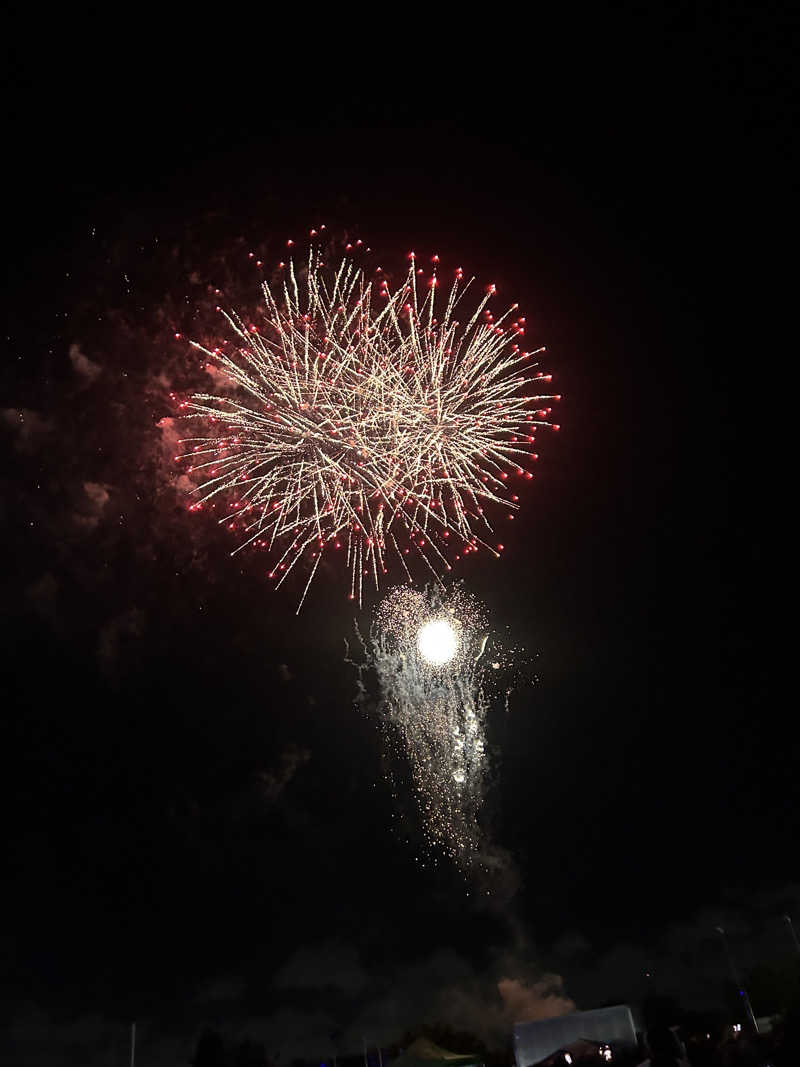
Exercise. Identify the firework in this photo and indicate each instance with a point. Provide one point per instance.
(427, 649)
(367, 422)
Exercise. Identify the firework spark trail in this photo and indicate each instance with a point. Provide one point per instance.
(367, 429)
(434, 706)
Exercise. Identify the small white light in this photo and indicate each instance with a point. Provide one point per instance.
(437, 642)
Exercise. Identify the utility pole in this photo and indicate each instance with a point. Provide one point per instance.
(133, 1044)
(737, 980)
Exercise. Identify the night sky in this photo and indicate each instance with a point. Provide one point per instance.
(199, 831)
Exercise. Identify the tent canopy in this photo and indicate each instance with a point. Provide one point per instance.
(425, 1053)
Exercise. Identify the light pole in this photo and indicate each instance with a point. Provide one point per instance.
(788, 920)
(737, 980)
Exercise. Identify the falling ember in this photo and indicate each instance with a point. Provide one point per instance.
(426, 648)
(380, 431)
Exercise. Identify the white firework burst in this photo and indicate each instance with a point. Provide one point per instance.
(367, 422)
(426, 648)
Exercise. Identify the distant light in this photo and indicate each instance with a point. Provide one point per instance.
(437, 642)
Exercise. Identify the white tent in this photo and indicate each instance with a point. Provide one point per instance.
(534, 1042)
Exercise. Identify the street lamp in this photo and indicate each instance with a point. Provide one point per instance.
(737, 980)
(788, 920)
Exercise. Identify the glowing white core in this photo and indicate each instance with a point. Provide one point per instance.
(437, 642)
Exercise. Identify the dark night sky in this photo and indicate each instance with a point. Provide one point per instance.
(197, 834)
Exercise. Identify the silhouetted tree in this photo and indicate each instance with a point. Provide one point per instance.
(250, 1054)
(210, 1050)
(775, 987)
(660, 1010)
